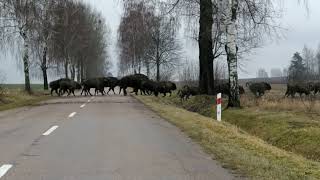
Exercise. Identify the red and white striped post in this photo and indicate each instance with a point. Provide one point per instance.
(219, 101)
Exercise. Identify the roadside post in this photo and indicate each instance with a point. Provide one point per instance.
(219, 101)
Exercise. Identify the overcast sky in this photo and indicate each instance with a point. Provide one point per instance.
(303, 28)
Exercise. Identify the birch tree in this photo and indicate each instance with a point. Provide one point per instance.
(164, 48)
(18, 18)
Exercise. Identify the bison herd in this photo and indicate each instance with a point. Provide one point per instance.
(136, 82)
(140, 82)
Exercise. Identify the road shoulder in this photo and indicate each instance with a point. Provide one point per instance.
(246, 155)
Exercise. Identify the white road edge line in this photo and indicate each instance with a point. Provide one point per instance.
(4, 169)
(72, 114)
(49, 131)
(83, 105)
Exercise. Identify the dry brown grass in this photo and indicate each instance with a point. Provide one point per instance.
(236, 149)
(275, 101)
(14, 96)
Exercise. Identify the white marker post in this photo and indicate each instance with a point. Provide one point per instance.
(219, 101)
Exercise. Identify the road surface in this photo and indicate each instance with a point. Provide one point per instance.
(100, 138)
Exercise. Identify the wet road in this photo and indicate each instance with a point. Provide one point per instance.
(101, 138)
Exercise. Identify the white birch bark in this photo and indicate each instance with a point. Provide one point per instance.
(26, 60)
(231, 48)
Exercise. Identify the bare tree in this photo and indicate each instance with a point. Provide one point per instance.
(189, 73)
(164, 48)
(19, 17)
(79, 41)
(134, 35)
(41, 37)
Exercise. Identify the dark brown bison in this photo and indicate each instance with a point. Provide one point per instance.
(133, 81)
(165, 87)
(187, 91)
(68, 86)
(300, 88)
(224, 88)
(112, 82)
(259, 88)
(55, 85)
(149, 87)
(97, 83)
(316, 88)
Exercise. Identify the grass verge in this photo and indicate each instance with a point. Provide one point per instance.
(13, 96)
(236, 149)
(293, 131)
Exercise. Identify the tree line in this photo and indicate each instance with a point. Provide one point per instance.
(305, 66)
(223, 29)
(147, 39)
(68, 37)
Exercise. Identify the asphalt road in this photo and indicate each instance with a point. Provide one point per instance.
(101, 138)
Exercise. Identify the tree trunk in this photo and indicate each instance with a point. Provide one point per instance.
(26, 62)
(78, 72)
(231, 50)
(158, 65)
(158, 72)
(66, 71)
(205, 47)
(211, 90)
(72, 72)
(44, 69)
(148, 68)
(82, 72)
(45, 79)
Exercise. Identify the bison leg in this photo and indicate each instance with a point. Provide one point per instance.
(124, 91)
(113, 90)
(69, 92)
(73, 92)
(109, 90)
(101, 91)
(56, 90)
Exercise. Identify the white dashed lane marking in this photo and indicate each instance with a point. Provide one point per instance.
(83, 105)
(4, 169)
(49, 131)
(72, 114)
(89, 100)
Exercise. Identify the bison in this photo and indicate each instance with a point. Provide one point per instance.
(112, 83)
(188, 91)
(224, 88)
(55, 85)
(134, 81)
(69, 86)
(316, 88)
(165, 87)
(96, 83)
(148, 87)
(259, 88)
(300, 88)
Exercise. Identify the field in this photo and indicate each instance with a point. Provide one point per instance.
(237, 150)
(289, 124)
(13, 96)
